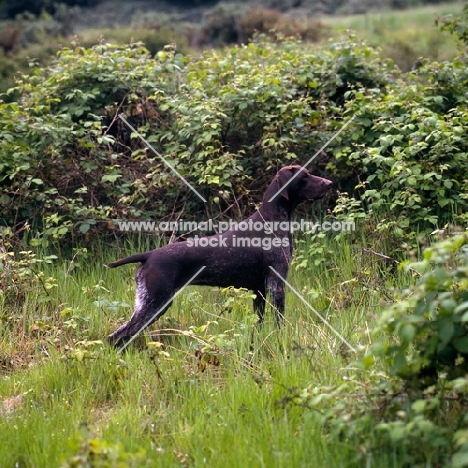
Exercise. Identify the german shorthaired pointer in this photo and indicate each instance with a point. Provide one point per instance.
(240, 257)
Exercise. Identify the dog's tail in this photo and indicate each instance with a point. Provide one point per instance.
(137, 258)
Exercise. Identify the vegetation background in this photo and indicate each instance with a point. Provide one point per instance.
(228, 93)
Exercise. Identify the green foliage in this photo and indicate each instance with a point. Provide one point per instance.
(21, 274)
(430, 323)
(410, 148)
(66, 158)
(226, 121)
(56, 157)
(456, 25)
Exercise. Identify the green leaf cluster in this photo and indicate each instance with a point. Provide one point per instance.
(408, 145)
(411, 148)
(225, 121)
(430, 323)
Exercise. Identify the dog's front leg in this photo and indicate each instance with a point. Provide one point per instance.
(275, 289)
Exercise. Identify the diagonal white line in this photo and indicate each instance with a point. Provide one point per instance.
(155, 316)
(326, 322)
(313, 157)
(162, 157)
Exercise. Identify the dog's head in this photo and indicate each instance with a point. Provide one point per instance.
(297, 184)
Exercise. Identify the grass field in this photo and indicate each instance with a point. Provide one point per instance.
(403, 35)
(205, 387)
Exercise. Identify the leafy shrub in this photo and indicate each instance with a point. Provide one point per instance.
(20, 274)
(458, 26)
(412, 384)
(67, 161)
(410, 148)
(222, 120)
(231, 23)
(60, 147)
(413, 155)
(431, 324)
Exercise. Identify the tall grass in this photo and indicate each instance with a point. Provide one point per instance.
(204, 387)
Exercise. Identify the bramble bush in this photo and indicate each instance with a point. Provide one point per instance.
(223, 120)
(409, 145)
(408, 394)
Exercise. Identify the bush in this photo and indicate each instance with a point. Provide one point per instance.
(57, 160)
(410, 390)
(234, 24)
(410, 149)
(227, 121)
(21, 274)
(67, 162)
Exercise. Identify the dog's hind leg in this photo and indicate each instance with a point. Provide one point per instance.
(148, 308)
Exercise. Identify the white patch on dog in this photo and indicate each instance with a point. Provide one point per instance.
(141, 296)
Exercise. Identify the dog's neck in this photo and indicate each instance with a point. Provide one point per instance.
(278, 210)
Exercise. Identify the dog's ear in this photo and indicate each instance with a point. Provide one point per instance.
(282, 178)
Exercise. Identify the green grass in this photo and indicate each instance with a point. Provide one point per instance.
(63, 395)
(404, 35)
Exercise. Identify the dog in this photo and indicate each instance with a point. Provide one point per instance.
(240, 257)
